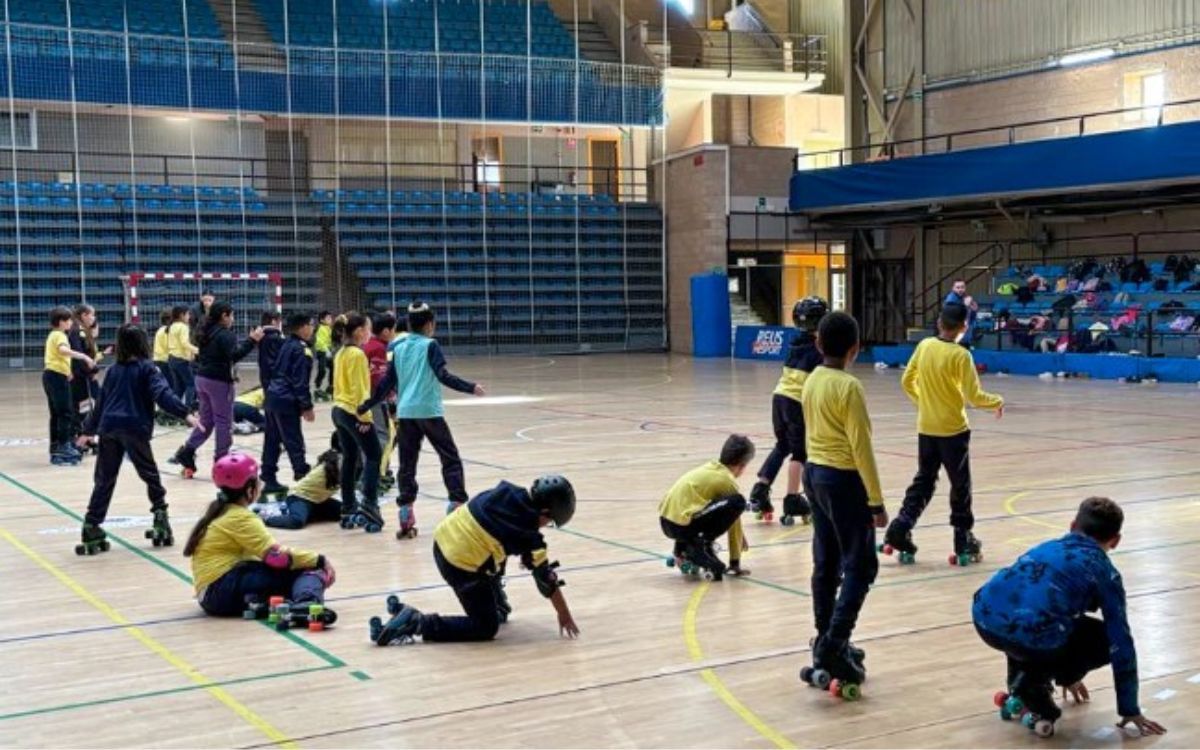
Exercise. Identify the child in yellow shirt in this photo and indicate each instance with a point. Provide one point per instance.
(312, 498)
(841, 480)
(356, 432)
(235, 560)
(705, 503)
(941, 380)
(56, 382)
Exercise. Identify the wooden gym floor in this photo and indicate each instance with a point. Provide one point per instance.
(112, 651)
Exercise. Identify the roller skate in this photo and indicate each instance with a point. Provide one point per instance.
(387, 482)
(760, 502)
(274, 489)
(835, 670)
(967, 548)
(795, 506)
(408, 522)
(285, 615)
(698, 558)
(160, 534)
(350, 516)
(403, 627)
(60, 456)
(322, 395)
(94, 541)
(186, 458)
(369, 518)
(1032, 705)
(898, 539)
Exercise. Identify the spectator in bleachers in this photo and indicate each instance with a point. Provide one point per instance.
(958, 296)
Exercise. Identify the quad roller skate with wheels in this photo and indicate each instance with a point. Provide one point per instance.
(967, 548)
(65, 455)
(1012, 708)
(408, 522)
(403, 626)
(387, 481)
(94, 541)
(285, 615)
(159, 533)
(834, 669)
(856, 653)
(760, 502)
(898, 540)
(186, 458)
(349, 517)
(796, 507)
(369, 518)
(698, 559)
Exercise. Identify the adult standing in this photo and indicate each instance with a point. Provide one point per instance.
(958, 295)
(219, 352)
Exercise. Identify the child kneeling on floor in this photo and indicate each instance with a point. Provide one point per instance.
(470, 547)
(312, 498)
(1035, 612)
(235, 560)
(705, 503)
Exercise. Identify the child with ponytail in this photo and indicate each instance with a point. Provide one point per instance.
(234, 559)
(312, 498)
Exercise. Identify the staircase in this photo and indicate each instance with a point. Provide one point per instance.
(247, 30)
(743, 315)
(593, 44)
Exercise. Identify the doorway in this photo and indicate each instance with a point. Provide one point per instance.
(605, 167)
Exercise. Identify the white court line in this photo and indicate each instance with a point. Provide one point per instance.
(493, 400)
(1165, 695)
(1194, 679)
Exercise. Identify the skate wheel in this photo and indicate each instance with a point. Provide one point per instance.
(375, 627)
(787, 520)
(80, 549)
(1000, 699)
(821, 679)
(886, 549)
(671, 562)
(851, 692)
(953, 559)
(1005, 715)
(767, 517)
(372, 528)
(806, 674)
(316, 627)
(149, 534)
(169, 541)
(1014, 706)
(393, 605)
(1043, 728)
(275, 601)
(105, 546)
(189, 473)
(1027, 719)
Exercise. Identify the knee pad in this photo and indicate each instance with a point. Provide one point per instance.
(738, 502)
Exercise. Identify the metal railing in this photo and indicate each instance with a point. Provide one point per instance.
(734, 51)
(1065, 126)
(1147, 332)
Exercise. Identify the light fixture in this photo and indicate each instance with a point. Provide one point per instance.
(177, 118)
(1087, 56)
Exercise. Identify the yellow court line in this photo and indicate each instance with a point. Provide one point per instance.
(714, 682)
(1010, 507)
(259, 723)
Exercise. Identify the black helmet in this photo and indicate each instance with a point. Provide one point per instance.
(553, 496)
(806, 313)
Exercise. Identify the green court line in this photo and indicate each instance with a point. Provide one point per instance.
(360, 675)
(159, 693)
(322, 654)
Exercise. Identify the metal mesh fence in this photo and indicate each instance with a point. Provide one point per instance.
(467, 153)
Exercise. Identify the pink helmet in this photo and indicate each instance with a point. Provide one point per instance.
(233, 471)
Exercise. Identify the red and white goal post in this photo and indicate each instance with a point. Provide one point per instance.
(147, 294)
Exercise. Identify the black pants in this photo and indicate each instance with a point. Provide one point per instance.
(226, 596)
(184, 380)
(298, 513)
(844, 557)
(410, 434)
(164, 368)
(1086, 649)
(114, 446)
(788, 420)
(283, 429)
(477, 594)
(358, 448)
(707, 525)
(58, 398)
(933, 454)
(323, 368)
(83, 390)
(247, 413)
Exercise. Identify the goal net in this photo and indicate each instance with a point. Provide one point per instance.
(251, 294)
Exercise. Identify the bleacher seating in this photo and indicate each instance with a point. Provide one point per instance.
(503, 269)
(158, 17)
(411, 24)
(1156, 309)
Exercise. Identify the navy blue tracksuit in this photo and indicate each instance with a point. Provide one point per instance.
(268, 354)
(288, 396)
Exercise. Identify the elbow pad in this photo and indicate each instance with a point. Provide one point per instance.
(546, 579)
(278, 558)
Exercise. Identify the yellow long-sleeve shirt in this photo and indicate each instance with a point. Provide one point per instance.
(179, 342)
(313, 486)
(941, 380)
(351, 380)
(839, 430)
(53, 359)
(695, 490)
(324, 339)
(235, 537)
(161, 350)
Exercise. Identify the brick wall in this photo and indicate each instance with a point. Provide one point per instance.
(1062, 92)
(696, 232)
